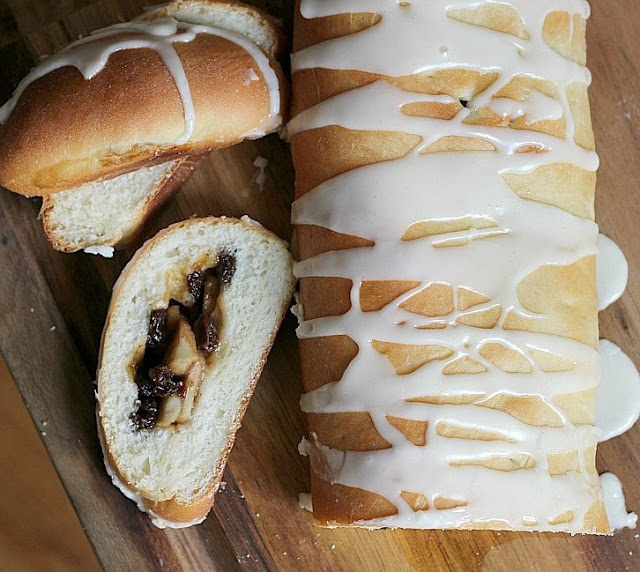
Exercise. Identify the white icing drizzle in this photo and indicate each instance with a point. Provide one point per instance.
(538, 107)
(250, 75)
(260, 177)
(91, 54)
(384, 102)
(617, 513)
(103, 250)
(160, 522)
(379, 202)
(304, 501)
(618, 401)
(613, 272)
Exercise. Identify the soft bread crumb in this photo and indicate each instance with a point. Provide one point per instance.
(96, 216)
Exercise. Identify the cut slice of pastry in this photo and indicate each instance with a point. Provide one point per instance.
(108, 128)
(191, 322)
(96, 217)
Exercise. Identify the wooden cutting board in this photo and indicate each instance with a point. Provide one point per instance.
(53, 306)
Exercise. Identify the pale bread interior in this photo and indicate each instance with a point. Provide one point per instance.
(103, 213)
(185, 463)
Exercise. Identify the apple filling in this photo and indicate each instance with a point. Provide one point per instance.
(181, 342)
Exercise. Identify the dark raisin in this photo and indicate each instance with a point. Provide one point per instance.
(147, 414)
(164, 382)
(145, 388)
(157, 328)
(226, 267)
(195, 281)
(210, 294)
(206, 333)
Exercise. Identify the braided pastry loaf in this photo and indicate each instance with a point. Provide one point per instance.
(445, 177)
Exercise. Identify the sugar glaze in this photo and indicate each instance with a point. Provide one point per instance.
(91, 54)
(519, 236)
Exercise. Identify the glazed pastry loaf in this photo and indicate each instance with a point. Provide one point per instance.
(445, 177)
(109, 128)
(191, 322)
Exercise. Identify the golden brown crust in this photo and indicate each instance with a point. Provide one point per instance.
(323, 296)
(376, 294)
(347, 431)
(344, 150)
(311, 32)
(66, 131)
(312, 86)
(314, 240)
(338, 504)
(317, 370)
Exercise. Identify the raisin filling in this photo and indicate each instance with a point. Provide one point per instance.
(181, 341)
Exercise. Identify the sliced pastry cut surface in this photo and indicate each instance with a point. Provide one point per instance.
(112, 213)
(191, 322)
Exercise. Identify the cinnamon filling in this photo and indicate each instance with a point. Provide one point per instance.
(181, 341)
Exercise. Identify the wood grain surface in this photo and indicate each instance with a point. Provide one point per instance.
(53, 305)
(40, 530)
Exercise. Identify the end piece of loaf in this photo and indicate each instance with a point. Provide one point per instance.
(207, 89)
(236, 17)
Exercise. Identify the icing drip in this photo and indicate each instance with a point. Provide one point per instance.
(260, 163)
(613, 272)
(89, 55)
(618, 400)
(100, 250)
(538, 107)
(456, 221)
(617, 513)
(304, 502)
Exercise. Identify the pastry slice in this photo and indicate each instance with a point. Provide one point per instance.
(191, 322)
(108, 129)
